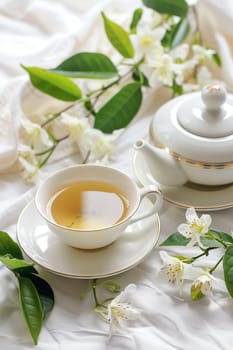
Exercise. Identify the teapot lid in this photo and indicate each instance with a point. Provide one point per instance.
(207, 115)
(197, 126)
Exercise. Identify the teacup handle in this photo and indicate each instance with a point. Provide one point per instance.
(145, 191)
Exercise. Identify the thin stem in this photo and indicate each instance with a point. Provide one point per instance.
(44, 161)
(55, 115)
(205, 252)
(216, 265)
(86, 158)
(50, 151)
(45, 152)
(99, 93)
(198, 30)
(94, 293)
(220, 241)
(210, 235)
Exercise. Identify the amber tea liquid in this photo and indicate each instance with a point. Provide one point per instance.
(88, 205)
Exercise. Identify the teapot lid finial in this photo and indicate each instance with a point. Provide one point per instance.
(213, 96)
(209, 115)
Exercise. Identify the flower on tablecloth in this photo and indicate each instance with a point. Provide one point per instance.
(27, 163)
(181, 270)
(202, 286)
(172, 269)
(177, 269)
(195, 227)
(120, 310)
(36, 136)
(116, 311)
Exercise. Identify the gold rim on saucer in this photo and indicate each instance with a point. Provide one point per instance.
(33, 247)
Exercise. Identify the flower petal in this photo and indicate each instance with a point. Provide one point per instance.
(184, 229)
(191, 215)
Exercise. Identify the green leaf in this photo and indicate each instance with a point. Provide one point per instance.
(170, 7)
(226, 237)
(228, 269)
(8, 246)
(53, 84)
(140, 77)
(176, 34)
(177, 89)
(31, 307)
(180, 32)
(137, 15)
(120, 109)
(118, 37)
(209, 239)
(87, 65)
(45, 293)
(17, 265)
(176, 239)
(209, 242)
(217, 59)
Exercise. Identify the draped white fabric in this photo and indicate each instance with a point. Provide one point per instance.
(43, 33)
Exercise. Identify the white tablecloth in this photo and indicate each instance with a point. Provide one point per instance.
(43, 33)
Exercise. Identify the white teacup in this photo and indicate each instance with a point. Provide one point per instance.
(92, 238)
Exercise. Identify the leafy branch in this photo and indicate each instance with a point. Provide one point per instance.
(35, 294)
(110, 110)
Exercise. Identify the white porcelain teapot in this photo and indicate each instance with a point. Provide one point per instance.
(193, 138)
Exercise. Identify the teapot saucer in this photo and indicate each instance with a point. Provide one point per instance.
(200, 197)
(46, 249)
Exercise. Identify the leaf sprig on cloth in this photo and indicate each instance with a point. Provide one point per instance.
(197, 232)
(35, 294)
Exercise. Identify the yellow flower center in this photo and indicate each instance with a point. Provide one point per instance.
(196, 227)
(146, 40)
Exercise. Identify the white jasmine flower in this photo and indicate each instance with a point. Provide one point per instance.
(28, 164)
(195, 227)
(163, 70)
(100, 144)
(203, 76)
(75, 125)
(179, 73)
(148, 39)
(87, 138)
(77, 128)
(180, 52)
(39, 138)
(201, 286)
(201, 54)
(157, 18)
(173, 269)
(184, 71)
(119, 310)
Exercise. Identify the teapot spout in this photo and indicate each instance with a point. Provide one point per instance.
(164, 168)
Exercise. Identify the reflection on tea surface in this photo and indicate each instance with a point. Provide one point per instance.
(88, 205)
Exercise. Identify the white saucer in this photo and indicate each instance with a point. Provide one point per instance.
(189, 195)
(45, 248)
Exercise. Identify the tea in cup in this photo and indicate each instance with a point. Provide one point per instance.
(90, 206)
